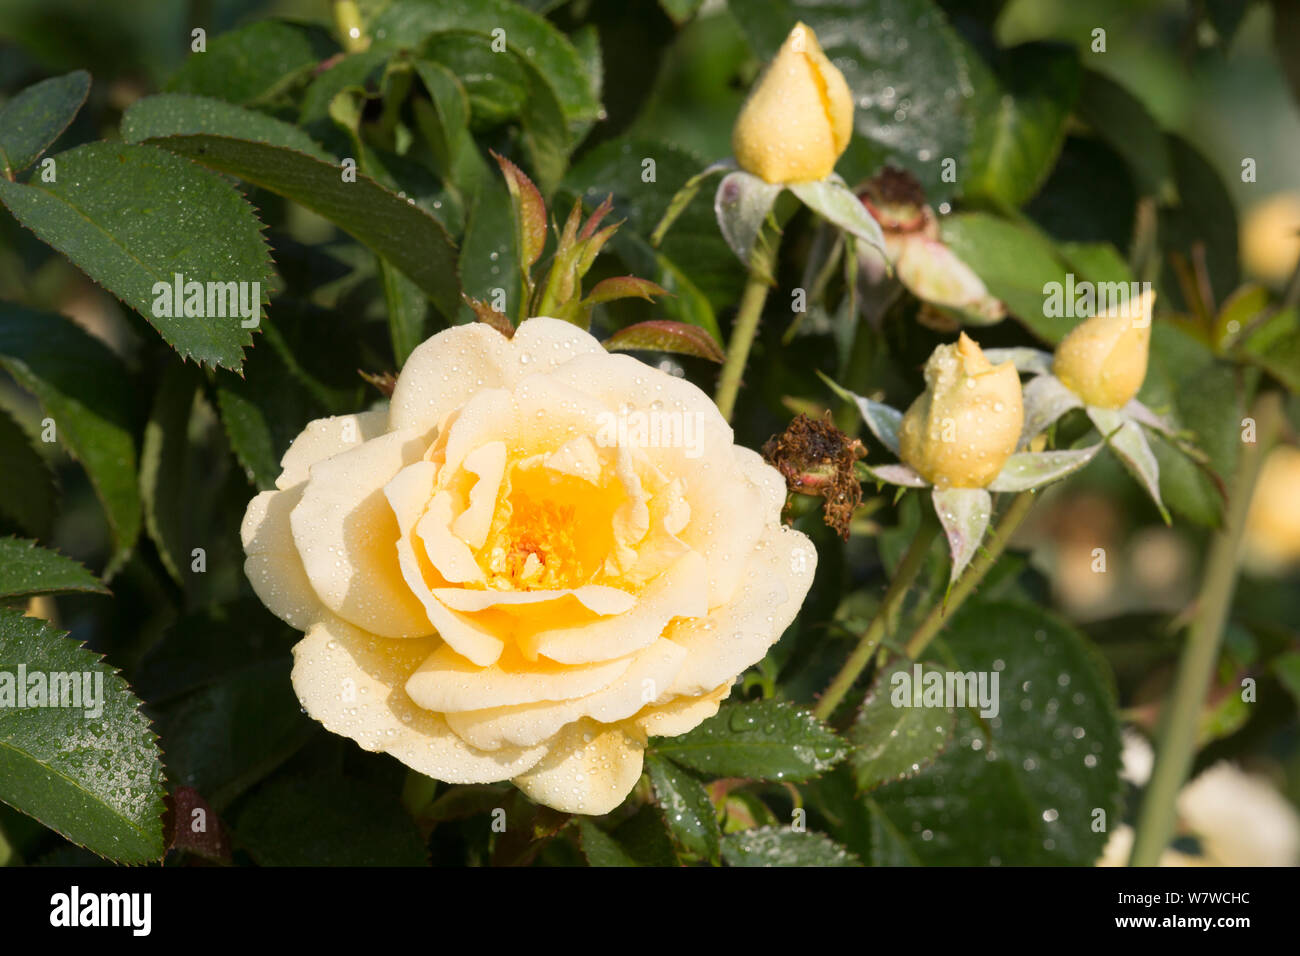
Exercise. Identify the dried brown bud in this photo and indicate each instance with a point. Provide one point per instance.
(816, 458)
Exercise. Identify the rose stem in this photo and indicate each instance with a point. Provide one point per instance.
(1180, 721)
(875, 632)
(972, 576)
(761, 271)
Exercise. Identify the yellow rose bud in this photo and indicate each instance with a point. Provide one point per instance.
(961, 430)
(1104, 359)
(798, 119)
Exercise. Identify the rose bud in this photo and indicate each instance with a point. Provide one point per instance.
(798, 119)
(961, 430)
(1104, 359)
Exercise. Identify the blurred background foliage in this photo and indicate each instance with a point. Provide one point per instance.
(1209, 83)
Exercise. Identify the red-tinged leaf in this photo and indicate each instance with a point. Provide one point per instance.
(570, 234)
(591, 247)
(530, 210)
(191, 825)
(660, 335)
(623, 287)
(485, 313)
(600, 212)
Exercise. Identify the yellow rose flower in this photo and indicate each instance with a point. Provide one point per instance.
(962, 429)
(1272, 538)
(1104, 359)
(798, 119)
(538, 555)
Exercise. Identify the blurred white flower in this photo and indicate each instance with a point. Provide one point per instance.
(1240, 819)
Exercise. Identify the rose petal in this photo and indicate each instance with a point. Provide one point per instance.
(347, 534)
(326, 437)
(447, 682)
(722, 502)
(589, 768)
(678, 592)
(447, 553)
(465, 359)
(777, 574)
(682, 714)
(352, 683)
(652, 670)
(598, 598)
(771, 486)
(272, 564)
(488, 462)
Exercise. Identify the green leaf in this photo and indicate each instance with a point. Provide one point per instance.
(780, 846)
(409, 23)
(1204, 216)
(445, 120)
(599, 847)
(1286, 668)
(85, 389)
(762, 740)
(1015, 263)
(131, 216)
(1275, 347)
(408, 312)
(163, 487)
(1124, 122)
(398, 230)
(26, 568)
(1199, 393)
(27, 493)
(645, 839)
(904, 67)
(689, 813)
(1095, 261)
(93, 777)
(263, 412)
(661, 336)
(1025, 791)
(530, 211)
(37, 116)
(253, 63)
(681, 10)
(176, 114)
(223, 738)
(489, 257)
(891, 740)
(334, 821)
(1022, 104)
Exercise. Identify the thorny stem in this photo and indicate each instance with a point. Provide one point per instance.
(746, 325)
(972, 576)
(1180, 720)
(876, 630)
